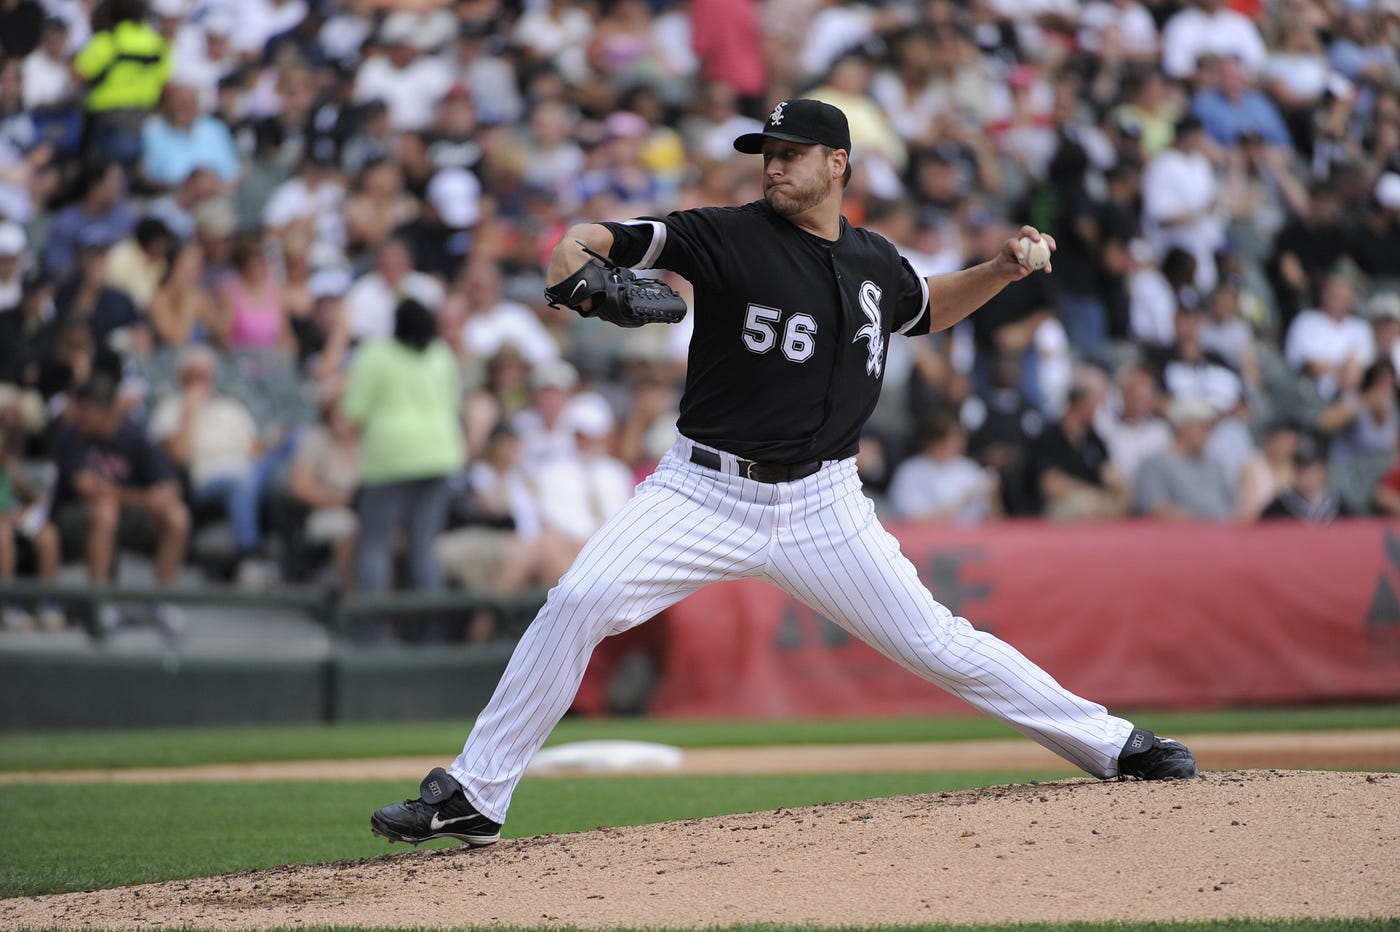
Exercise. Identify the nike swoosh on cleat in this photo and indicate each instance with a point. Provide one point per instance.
(438, 824)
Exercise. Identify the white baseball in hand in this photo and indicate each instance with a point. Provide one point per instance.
(1036, 252)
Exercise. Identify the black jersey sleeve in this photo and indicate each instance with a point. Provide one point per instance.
(637, 243)
(911, 312)
(687, 242)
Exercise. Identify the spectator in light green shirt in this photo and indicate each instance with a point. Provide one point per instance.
(405, 399)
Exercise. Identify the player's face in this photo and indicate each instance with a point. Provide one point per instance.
(796, 177)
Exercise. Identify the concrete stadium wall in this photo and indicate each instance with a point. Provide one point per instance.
(63, 690)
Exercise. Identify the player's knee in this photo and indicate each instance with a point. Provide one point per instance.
(583, 603)
(570, 597)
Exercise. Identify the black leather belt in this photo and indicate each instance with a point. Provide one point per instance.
(759, 472)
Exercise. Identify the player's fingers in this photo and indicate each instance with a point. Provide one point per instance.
(1034, 234)
(1018, 256)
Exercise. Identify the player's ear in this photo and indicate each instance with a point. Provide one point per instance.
(838, 162)
(841, 166)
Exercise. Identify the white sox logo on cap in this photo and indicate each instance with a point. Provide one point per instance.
(810, 122)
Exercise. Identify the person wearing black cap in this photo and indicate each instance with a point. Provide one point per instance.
(1309, 498)
(27, 333)
(793, 307)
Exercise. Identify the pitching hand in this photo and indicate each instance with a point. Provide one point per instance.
(1012, 260)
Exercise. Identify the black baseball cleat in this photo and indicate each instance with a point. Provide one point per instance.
(1149, 757)
(441, 810)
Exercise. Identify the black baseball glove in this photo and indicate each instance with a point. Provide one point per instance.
(618, 296)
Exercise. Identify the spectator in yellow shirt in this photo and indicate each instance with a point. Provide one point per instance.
(125, 66)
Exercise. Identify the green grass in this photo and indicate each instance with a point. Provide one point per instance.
(138, 833)
(173, 747)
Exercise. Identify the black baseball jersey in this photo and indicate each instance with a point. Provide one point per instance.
(788, 352)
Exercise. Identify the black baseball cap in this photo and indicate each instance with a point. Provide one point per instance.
(802, 120)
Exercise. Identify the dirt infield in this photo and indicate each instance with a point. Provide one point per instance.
(1263, 843)
(1237, 842)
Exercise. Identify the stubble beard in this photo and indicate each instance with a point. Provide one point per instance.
(791, 199)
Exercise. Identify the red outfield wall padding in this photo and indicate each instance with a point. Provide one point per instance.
(1130, 615)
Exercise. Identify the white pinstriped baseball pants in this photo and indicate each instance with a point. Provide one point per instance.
(818, 540)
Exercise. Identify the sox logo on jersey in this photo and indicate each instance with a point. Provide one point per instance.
(873, 335)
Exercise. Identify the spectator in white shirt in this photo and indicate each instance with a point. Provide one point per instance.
(260, 20)
(1209, 27)
(492, 322)
(1122, 25)
(1037, 24)
(905, 88)
(831, 31)
(556, 32)
(553, 161)
(709, 131)
(544, 432)
(1180, 201)
(309, 203)
(204, 54)
(940, 484)
(371, 301)
(77, 16)
(48, 70)
(1384, 312)
(167, 16)
(578, 493)
(1297, 74)
(494, 85)
(13, 246)
(1188, 370)
(500, 548)
(1226, 333)
(409, 83)
(1151, 297)
(1134, 432)
(1332, 344)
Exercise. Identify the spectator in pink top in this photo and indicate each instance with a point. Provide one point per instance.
(728, 40)
(250, 308)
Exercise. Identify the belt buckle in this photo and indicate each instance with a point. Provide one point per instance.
(748, 470)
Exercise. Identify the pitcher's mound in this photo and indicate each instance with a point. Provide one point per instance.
(1235, 843)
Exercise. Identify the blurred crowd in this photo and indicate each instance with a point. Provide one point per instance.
(271, 290)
